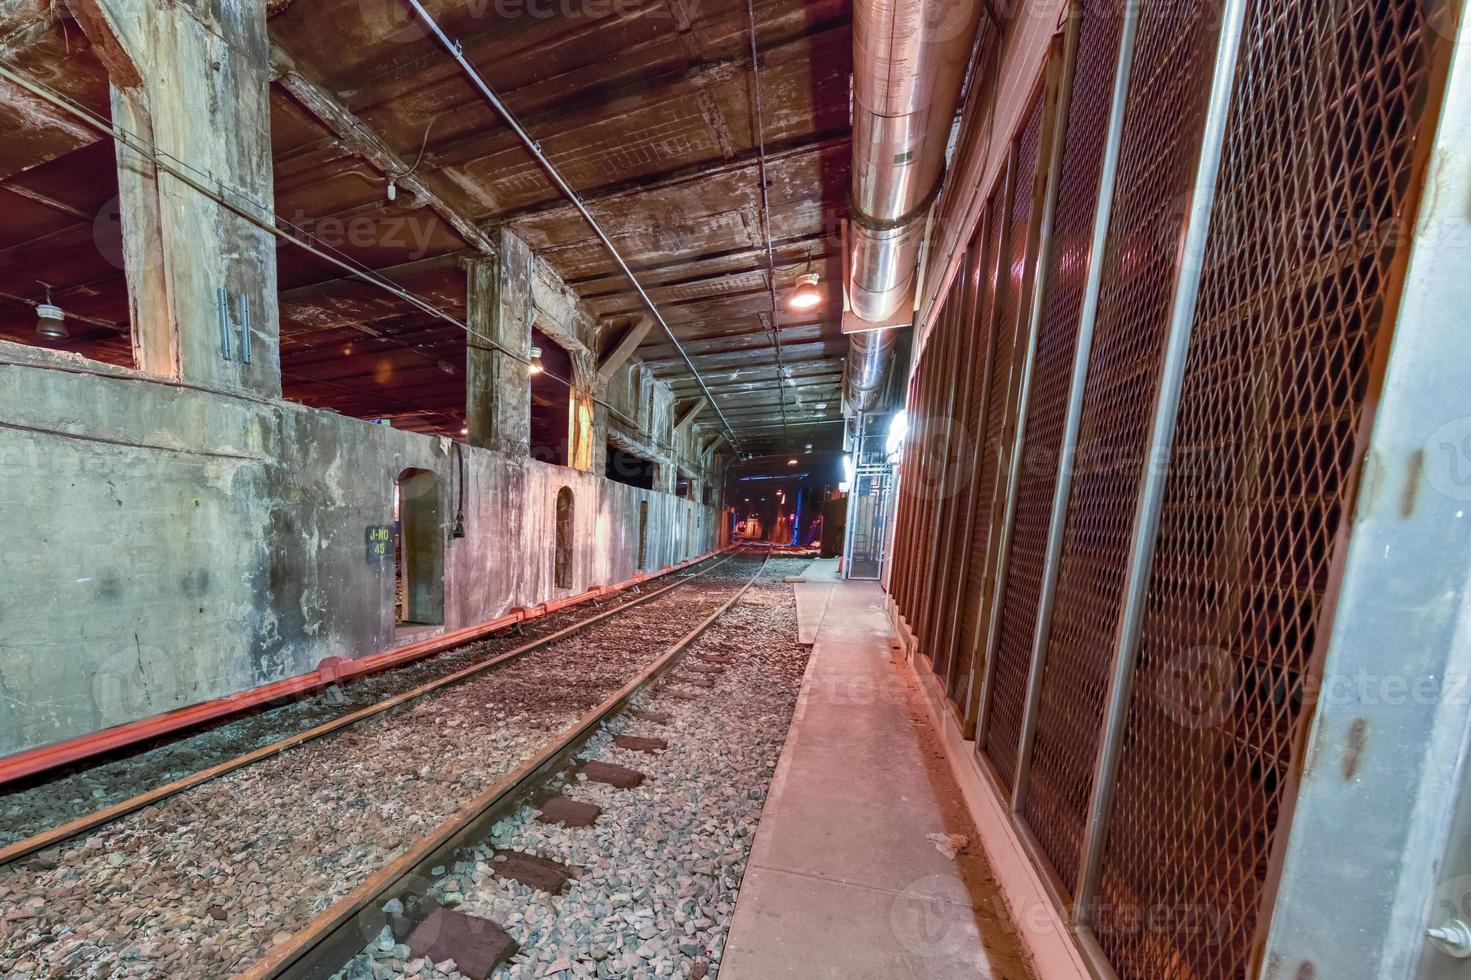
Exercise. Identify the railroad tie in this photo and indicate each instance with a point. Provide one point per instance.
(619, 777)
(568, 812)
(717, 658)
(697, 680)
(682, 693)
(476, 945)
(638, 743)
(540, 873)
(654, 717)
(703, 668)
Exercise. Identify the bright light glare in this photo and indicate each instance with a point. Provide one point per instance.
(898, 428)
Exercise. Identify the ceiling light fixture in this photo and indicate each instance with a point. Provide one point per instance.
(806, 296)
(50, 319)
(534, 365)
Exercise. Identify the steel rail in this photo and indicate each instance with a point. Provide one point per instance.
(339, 932)
(92, 821)
(456, 51)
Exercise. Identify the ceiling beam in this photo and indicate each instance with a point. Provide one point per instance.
(665, 180)
(362, 140)
(393, 273)
(626, 346)
(689, 414)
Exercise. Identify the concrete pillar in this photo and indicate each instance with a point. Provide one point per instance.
(588, 425)
(194, 79)
(498, 388)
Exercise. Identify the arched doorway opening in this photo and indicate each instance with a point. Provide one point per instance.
(643, 534)
(564, 538)
(419, 550)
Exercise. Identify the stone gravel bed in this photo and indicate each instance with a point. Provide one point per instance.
(658, 874)
(56, 798)
(201, 884)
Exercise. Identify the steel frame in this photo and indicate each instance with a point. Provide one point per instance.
(977, 692)
(1400, 765)
(1060, 69)
(1146, 518)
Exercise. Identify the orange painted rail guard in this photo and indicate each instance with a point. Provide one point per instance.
(331, 670)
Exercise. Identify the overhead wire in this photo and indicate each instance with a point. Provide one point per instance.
(276, 225)
(760, 127)
(456, 51)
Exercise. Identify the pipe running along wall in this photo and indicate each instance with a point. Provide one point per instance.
(909, 63)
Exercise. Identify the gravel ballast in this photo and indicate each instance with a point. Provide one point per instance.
(202, 884)
(656, 877)
(53, 799)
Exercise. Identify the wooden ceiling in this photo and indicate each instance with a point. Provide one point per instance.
(647, 108)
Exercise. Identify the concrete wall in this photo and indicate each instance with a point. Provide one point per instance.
(165, 545)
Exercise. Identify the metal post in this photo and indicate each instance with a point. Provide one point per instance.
(222, 307)
(1378, 853)
(1055, 132)
(245, 329)
(978, 696)
(1146, 515)
(1087, 317)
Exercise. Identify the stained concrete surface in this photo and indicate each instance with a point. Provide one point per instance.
(848, 877)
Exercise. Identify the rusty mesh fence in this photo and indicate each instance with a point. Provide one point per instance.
(977, 529)
(1008, 688)
(1157, 158)
(1315, 194)
(969, 358)
(951, 343)
(1055, 800)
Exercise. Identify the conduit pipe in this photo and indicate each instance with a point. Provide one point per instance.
(909, 64)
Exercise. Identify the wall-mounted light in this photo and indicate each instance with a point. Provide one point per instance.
(50, 319)
(534, 366)
(791, 462)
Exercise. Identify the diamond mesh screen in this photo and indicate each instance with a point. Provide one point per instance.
(1053, 806)
(1157, 158)
(977, 530)
(951, 343)
(1315, 191)
(949, 554)
(1008, 689)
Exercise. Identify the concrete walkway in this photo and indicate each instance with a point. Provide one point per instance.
(847, 877)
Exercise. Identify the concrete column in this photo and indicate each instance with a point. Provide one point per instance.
(194, 79)
(588, 436)
(497, 387)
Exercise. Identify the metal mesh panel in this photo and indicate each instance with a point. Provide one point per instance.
(952, 341)
(1053, 807)
(1157, 158)
(1315, 191)
(957, 476)
(1008, 689)
(977, 534)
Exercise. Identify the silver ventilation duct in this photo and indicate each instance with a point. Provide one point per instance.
(909, 62)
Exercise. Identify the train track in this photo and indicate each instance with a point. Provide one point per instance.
(53, 836)
(337, 934)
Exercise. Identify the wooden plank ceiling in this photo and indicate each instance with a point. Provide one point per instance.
(647, 108)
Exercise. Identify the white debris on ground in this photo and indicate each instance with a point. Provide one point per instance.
(657, 875)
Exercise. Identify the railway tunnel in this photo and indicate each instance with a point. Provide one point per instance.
(741, 488)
